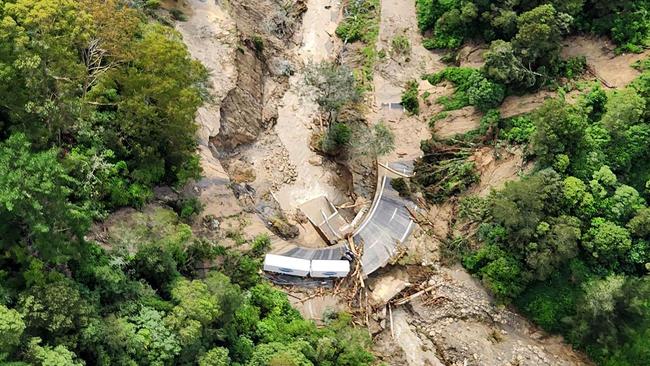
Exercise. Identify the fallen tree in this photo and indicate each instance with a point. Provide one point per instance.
(444, 170)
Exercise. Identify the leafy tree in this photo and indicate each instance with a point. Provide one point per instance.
(612, 310)
(483, 93)
(522, 206)
(51, 356)
(539, 33)
(556, 243)
(156, 344)
(195, 301)
(559, 129)
(217, 356)
(607, 241)
(58, 309)
(640, 223)
(160, 134)
(43, 74)
(336, 86)
(276, 354)
(623, 203)
(577, 195)
(34, 204)
(503, 65)
(12, 327)
(155, 265)
(622, 120)
(428, 11)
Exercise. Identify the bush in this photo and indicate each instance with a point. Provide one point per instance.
(401, 45)
(360, 22)
(484, 94)
(410, 100)
(518, 130)
(549, 303)
(178, 14)
(437, 117)
(190, 207)
(337, 137)
(401, 186)
(574, 67)
(471, 88)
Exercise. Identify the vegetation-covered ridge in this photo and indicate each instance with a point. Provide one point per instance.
(97, 106)
(450, 22)
(570, 244)
(525, 36)
(361, 24)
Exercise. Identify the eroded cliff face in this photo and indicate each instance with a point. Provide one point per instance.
(263, 66)
(242, 109)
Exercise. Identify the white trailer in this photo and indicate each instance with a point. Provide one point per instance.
(287, 265)
(329, 268)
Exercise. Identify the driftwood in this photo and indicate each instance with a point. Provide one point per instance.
(352, 204)
(414, 296)
(592, 70)
(394, 171)
(390, 317)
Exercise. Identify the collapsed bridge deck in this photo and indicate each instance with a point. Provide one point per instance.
(387, 225)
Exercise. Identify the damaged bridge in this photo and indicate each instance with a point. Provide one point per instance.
(387, 225)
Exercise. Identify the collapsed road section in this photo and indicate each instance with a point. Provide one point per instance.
(387, 225)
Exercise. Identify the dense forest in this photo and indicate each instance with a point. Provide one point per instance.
(97, 106)
(569, 244)
(524, 37)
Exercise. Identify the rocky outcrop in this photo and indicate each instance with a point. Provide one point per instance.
(251, 107)
(277, 18)
(241, 110)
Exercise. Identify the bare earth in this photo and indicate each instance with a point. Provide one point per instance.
(614, 71)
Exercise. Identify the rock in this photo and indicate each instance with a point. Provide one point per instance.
(374, 327)
(165, 194)
(242, 109)
(387, 286)
(211, 222)
(241, 172)
(316, 161)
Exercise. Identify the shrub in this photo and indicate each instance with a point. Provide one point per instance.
(519, 130)
(410, 100)
(336, 138)
(484, 94)
(190, 207)
(471, 88)
(401, 45)
(360, 22)
(178, 14)
(401, 186)
(573, 67)
(437, 117)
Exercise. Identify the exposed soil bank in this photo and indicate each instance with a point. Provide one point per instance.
(612, 70)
